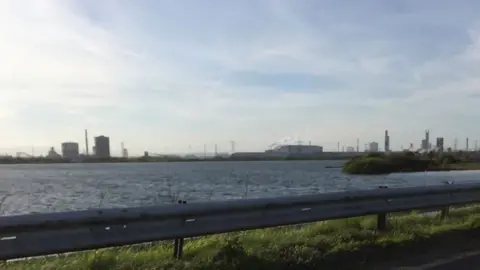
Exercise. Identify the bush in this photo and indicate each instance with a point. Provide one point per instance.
(374, 163)
(446, 159)
(368, 165)
(375, 155)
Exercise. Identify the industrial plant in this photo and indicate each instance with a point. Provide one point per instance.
(284, 151)
(72, 151)
(102, 147)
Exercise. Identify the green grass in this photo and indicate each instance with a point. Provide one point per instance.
(340, 244)
(385, 163)
(465, 166)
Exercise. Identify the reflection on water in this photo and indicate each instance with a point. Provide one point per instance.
(60, 187)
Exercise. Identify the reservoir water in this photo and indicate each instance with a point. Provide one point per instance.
(62, 187)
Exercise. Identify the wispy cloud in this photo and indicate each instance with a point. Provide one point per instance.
(159, 74)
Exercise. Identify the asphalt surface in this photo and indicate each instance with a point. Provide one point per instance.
(463, 261)
(466, 262)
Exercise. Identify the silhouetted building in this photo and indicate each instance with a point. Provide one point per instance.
(298, 149)
(373, 147)
(440, 144)
(387, 141)
(53, 154)
(70, 150)
(426, 145)
(102, 147)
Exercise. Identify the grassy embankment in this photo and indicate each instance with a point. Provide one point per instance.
(341, 244)
(380, 163)
(43, 160)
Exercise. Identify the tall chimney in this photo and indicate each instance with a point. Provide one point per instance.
(86, 141)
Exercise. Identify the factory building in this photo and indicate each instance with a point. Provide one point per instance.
(283, 151)
(298, 149)
(440, 144)
(52, 154)
(387, 141)
(426, 145)
(373, 147)
(102, 147)
(70, 150)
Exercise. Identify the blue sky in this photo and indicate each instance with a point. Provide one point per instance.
(163, 75)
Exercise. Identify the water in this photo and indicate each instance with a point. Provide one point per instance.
(62, 187)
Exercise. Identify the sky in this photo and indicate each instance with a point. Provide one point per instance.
(173, 76)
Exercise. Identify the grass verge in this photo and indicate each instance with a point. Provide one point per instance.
(465, 166)
(340, 244)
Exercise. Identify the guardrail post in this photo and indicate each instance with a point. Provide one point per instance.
(445, 210)
(382, 218)
(178, 244)
(382, 221)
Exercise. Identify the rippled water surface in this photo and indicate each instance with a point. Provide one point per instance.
(60, 187)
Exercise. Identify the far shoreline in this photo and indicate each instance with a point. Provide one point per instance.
(40, 161)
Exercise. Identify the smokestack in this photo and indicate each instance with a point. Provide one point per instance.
(387, 142)
(427, 139)
(232, 144)
(86, 141)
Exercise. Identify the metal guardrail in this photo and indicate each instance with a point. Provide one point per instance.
(51, 233)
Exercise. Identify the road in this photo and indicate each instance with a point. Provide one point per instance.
(468, 260)
(462, 261)
(457, 250)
